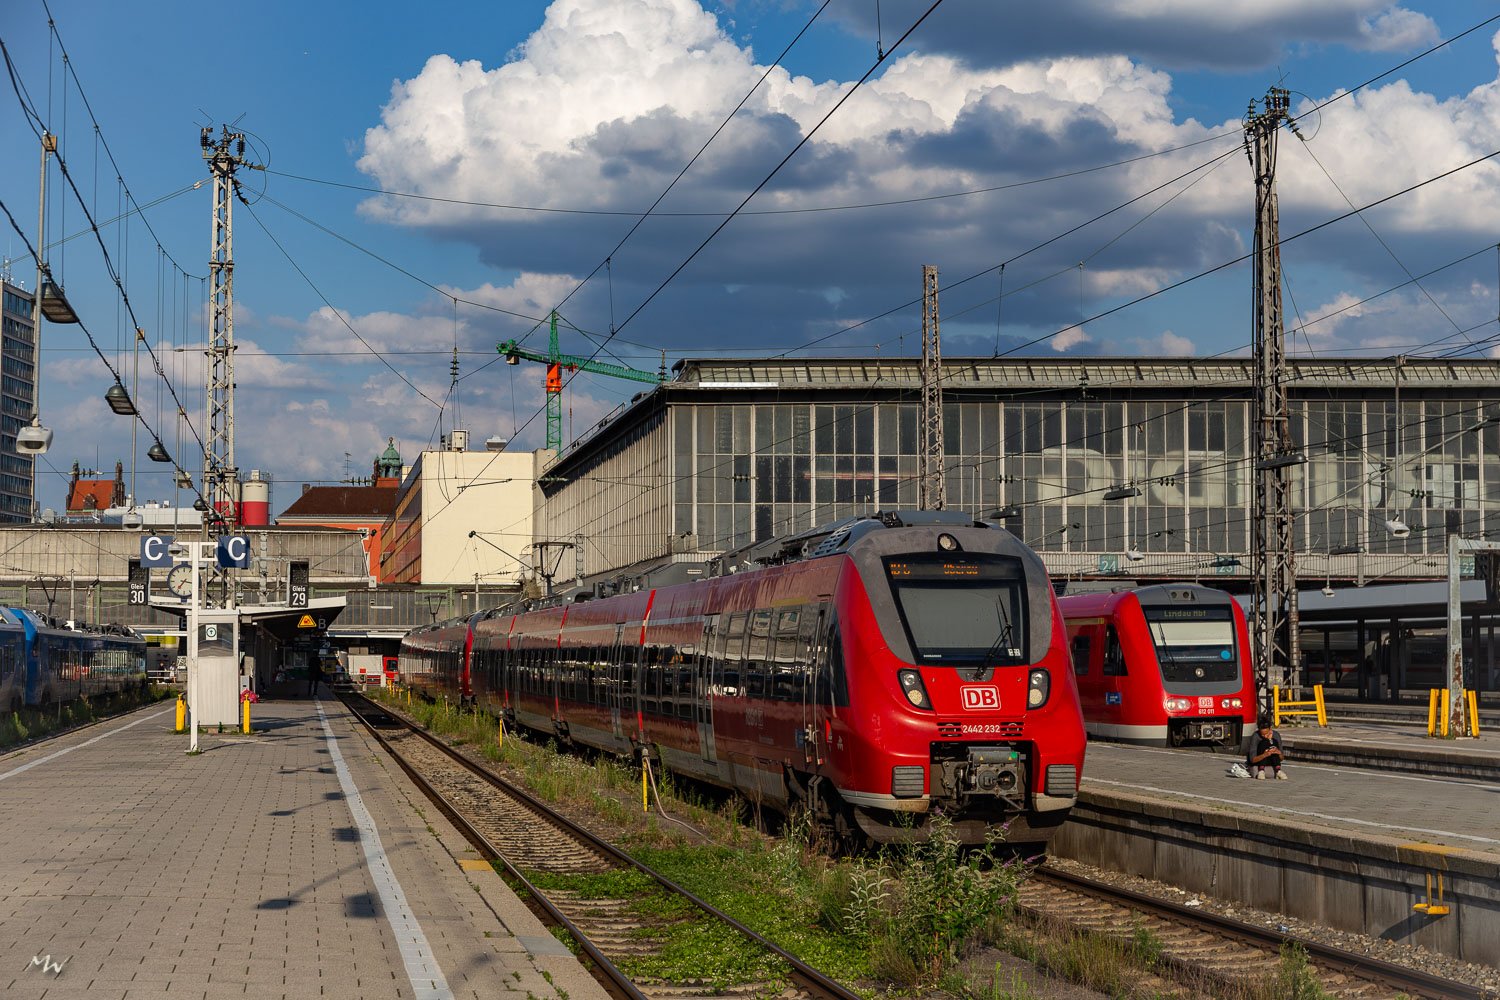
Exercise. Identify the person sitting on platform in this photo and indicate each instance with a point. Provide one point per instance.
(1265, 752)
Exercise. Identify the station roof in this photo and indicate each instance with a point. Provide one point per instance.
(1408, 602)
(281, 621)
(1072, 372)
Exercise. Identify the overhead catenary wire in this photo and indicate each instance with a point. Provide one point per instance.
(104, 251)
(1219, 267)
(338, 313)
(103, 358)
(808, 210)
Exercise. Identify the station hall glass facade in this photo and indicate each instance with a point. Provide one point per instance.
(734, 452)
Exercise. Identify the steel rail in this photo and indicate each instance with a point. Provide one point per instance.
(1337, 959)
(817, 981)
(617, 978)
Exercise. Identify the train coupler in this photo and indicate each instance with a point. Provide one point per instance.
(985, 772)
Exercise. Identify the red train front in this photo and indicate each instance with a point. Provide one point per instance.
(873, 671)
(1163, 666)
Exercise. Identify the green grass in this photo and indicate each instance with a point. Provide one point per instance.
(905, 916)
(692, 947)
(34, 723)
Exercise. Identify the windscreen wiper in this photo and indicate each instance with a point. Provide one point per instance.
(1007, 631)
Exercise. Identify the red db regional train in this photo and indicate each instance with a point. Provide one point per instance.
(1164, 666)
(876, 669)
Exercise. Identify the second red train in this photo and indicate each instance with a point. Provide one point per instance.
(1166, 665)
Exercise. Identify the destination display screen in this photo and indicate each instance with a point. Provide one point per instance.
(963, 609)
(1186, 614)
(951, 569)
(1194, 644)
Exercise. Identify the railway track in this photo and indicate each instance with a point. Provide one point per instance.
(622, 915)
(1197, 948)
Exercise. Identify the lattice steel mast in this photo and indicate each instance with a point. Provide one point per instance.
(220, 475)
(1273, 563)
(931, 487)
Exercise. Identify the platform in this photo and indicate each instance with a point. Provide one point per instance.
(294, 863)
(1452, 812)
(1395, 746)
(1350, 847)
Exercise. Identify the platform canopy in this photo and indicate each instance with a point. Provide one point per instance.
(282, 622)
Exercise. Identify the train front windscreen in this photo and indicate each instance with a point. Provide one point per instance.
(1194, 644)
(960, 607)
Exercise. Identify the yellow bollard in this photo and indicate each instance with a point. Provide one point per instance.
(645, 790)
(500, 737)
(1472, 697)
(1447, 706)
(245, 706)
(181, 712)
(1322, 707)
(1432, 711)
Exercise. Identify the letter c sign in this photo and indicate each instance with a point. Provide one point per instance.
(233, 551)
(155, 551)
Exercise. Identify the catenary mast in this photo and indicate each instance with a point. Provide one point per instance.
(220, 475)
(1273, 564)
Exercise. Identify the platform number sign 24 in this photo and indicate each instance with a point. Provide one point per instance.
(296, 584)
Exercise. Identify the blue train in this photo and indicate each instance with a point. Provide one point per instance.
(42, 662)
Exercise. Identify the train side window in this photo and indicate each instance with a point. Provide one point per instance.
(1082, 647)
(651, 681)
(833, 684)
(1114, 656)
(685, 693)
(758, 647)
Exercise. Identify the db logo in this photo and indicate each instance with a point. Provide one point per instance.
(980, 696)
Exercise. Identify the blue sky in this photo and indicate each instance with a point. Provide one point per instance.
(595, 104)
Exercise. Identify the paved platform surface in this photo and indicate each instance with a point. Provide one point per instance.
(1384, 738)
(294, 863)
(1359, 802)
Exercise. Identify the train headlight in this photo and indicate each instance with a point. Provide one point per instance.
(947, 543)
(1177, 704)
(1038, 688)
(1233, 703)
(915, 691)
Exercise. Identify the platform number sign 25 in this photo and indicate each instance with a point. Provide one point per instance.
(296, 584)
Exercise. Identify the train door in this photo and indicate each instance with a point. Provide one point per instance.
(703, 688)
(810, 667)
(1114, 681)
(621, 671)
(12, 677)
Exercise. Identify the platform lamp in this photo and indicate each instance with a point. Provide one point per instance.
(119, 400)
(51, 303)
(1132, 553)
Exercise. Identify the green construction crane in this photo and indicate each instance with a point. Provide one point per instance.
(556, 361)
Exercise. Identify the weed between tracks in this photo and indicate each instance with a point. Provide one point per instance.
(907, 919)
